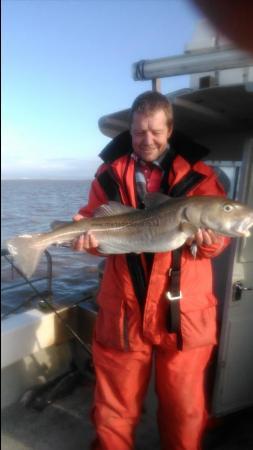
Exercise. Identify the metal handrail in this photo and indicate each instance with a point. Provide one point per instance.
(5, 253)
(191, 62)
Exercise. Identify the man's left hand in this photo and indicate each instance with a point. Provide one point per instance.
(203, 236)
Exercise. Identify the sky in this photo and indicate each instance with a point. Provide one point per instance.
(66, 63)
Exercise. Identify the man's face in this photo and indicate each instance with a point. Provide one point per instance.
(150, 134)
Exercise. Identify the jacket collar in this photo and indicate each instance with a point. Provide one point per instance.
(181, 144)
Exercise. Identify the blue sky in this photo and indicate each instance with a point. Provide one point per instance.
(66, 63)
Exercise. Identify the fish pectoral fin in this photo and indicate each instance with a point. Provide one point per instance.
(188, 229)
(154, 199)
(112, 209)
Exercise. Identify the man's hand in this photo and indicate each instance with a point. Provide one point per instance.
(207, 237)
(86, 241)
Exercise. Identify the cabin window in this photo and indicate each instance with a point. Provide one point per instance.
(228, 174)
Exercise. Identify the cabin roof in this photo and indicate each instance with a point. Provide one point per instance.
(198, 111)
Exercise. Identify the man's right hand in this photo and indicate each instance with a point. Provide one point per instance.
(86, 241)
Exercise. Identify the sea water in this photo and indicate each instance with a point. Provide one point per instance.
(29, 206)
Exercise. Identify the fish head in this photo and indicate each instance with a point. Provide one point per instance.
(225, 216)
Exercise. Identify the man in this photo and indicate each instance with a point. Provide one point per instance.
(136, 320)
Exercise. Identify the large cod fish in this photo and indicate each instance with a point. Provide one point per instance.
(164, 225)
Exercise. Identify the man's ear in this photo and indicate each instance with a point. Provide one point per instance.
(170, 131)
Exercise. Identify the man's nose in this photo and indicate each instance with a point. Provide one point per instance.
(148, 140)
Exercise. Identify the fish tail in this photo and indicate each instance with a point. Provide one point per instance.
(26, 252)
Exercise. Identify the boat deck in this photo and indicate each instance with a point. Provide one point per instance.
(65, 425)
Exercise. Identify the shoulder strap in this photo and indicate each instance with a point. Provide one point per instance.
(137, 276)
(109, 185)
(174, 294)
(191, 179)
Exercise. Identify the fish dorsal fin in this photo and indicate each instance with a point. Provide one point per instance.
(58, 224)
(112, 209)
(154, 199)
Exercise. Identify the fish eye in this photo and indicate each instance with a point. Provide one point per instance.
(228, 208)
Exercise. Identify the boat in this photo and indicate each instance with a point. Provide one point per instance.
(44, 350)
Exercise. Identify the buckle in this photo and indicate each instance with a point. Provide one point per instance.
(172, 297)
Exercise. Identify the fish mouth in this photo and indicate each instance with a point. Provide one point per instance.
(244, 227)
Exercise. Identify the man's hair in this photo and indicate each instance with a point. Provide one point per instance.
(150, 102)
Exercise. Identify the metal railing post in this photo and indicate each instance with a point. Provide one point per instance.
(156, 84)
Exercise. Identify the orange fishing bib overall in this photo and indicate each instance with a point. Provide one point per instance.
(130, 335)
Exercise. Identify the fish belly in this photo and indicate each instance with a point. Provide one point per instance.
(139, 242)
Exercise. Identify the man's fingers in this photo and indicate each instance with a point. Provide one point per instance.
(85, 242)
(77, 243)
(77, 217)
(209, 237)
(195, 238)
(199, 237)
(203, 236)
(93, 243)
